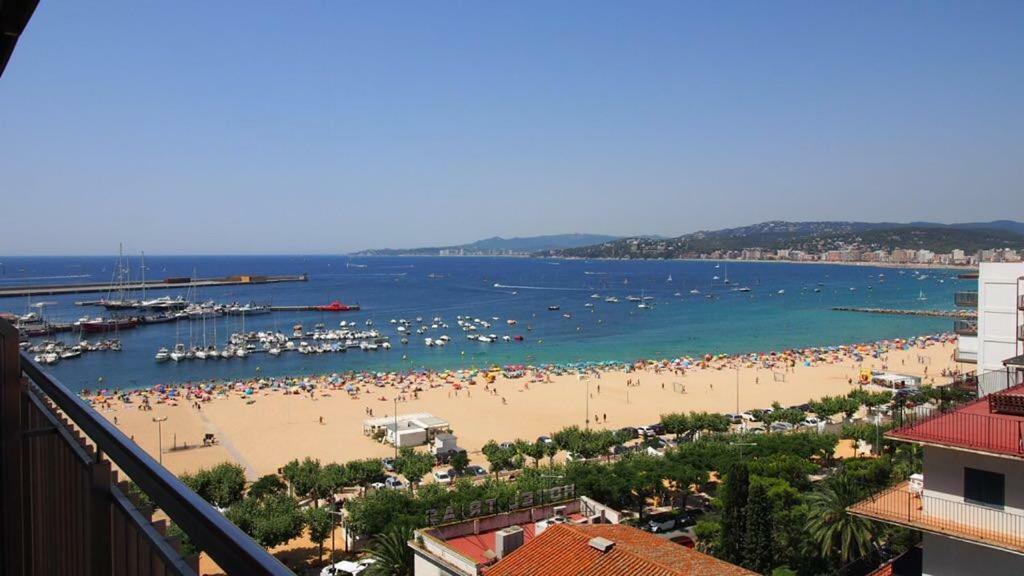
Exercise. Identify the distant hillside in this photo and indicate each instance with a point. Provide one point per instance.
(498, 245)
(813, 237)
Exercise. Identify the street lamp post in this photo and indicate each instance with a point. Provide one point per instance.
(334, 528)
(160, 437)
(396, 428)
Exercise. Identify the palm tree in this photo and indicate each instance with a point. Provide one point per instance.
(392, 553)
(839, 534)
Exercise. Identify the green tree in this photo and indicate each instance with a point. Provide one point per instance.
(459, 462)
(551, 450)
(840, 536)
(677, 423)
(266, 485)
(364, 472)
(320, 523)
(221, 485)
(372, 513)
(759, 541)
(533, 450)
(270, 521)
(413, 465)
(498, 457)
(735, 495)
(331, 480)
(303, 477)
(392, 553)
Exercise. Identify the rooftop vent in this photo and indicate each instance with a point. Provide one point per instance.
(601, 544)
(507, 540)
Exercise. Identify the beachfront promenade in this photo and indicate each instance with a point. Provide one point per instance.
(269, 427)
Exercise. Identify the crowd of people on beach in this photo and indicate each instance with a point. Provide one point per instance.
(407, 385)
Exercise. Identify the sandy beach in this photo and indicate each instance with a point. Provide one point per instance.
(266, 428)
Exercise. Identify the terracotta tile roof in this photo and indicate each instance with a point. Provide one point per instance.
(564, 550)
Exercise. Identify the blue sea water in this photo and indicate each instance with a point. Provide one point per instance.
(400, 287)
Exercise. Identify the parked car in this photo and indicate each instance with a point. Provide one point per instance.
(445, 456)
(660, 523)
(388, 463)
(394, 482)
(734, 418)
(347, 568)
(810, 421)
(629, 432)
(573, 456)
(378, 485)
(443, 476)
(507, 445)
(684, 541)
(474, 471)
(780, 426)
(544, 440)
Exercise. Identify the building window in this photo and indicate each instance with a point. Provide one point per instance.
(984, 487)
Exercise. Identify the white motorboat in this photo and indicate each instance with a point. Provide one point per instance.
(163, 355)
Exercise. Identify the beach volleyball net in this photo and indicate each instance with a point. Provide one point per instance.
(779, 376)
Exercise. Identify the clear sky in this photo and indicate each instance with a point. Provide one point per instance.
(324, 127)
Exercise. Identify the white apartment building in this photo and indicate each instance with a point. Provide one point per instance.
(969, 502)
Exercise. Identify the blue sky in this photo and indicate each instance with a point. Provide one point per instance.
(323, 127)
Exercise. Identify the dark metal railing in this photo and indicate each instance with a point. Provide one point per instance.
(966, 299)
(63, 509)
(944, 514)
(965, 327)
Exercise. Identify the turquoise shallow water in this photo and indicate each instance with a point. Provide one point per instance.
(389, 288)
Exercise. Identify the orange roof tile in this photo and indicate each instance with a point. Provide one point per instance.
(564, 550)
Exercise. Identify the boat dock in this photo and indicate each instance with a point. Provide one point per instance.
(930, 313)
(165, 284)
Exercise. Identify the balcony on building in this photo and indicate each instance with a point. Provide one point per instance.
(66, 506)
(965, 327)
(966, 299)
(909, 505)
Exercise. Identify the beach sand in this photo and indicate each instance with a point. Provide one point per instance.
(264, 434)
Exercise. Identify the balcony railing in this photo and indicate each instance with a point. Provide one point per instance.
(942, 515)
(965, 357)
(62, 509)
(966, 299)
(969, 426)
(965, 327)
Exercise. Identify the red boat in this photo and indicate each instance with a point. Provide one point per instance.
(337, 306)
(109, 325)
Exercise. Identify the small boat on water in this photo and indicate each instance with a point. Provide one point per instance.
(694, 291)
(163, 355)
(921, 296)
(109, 325)
(554, 307)
(611, 300)
(337, 306)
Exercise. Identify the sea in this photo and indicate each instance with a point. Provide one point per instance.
(788, 306)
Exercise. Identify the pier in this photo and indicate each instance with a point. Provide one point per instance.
(930, 313)
(165, 284)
